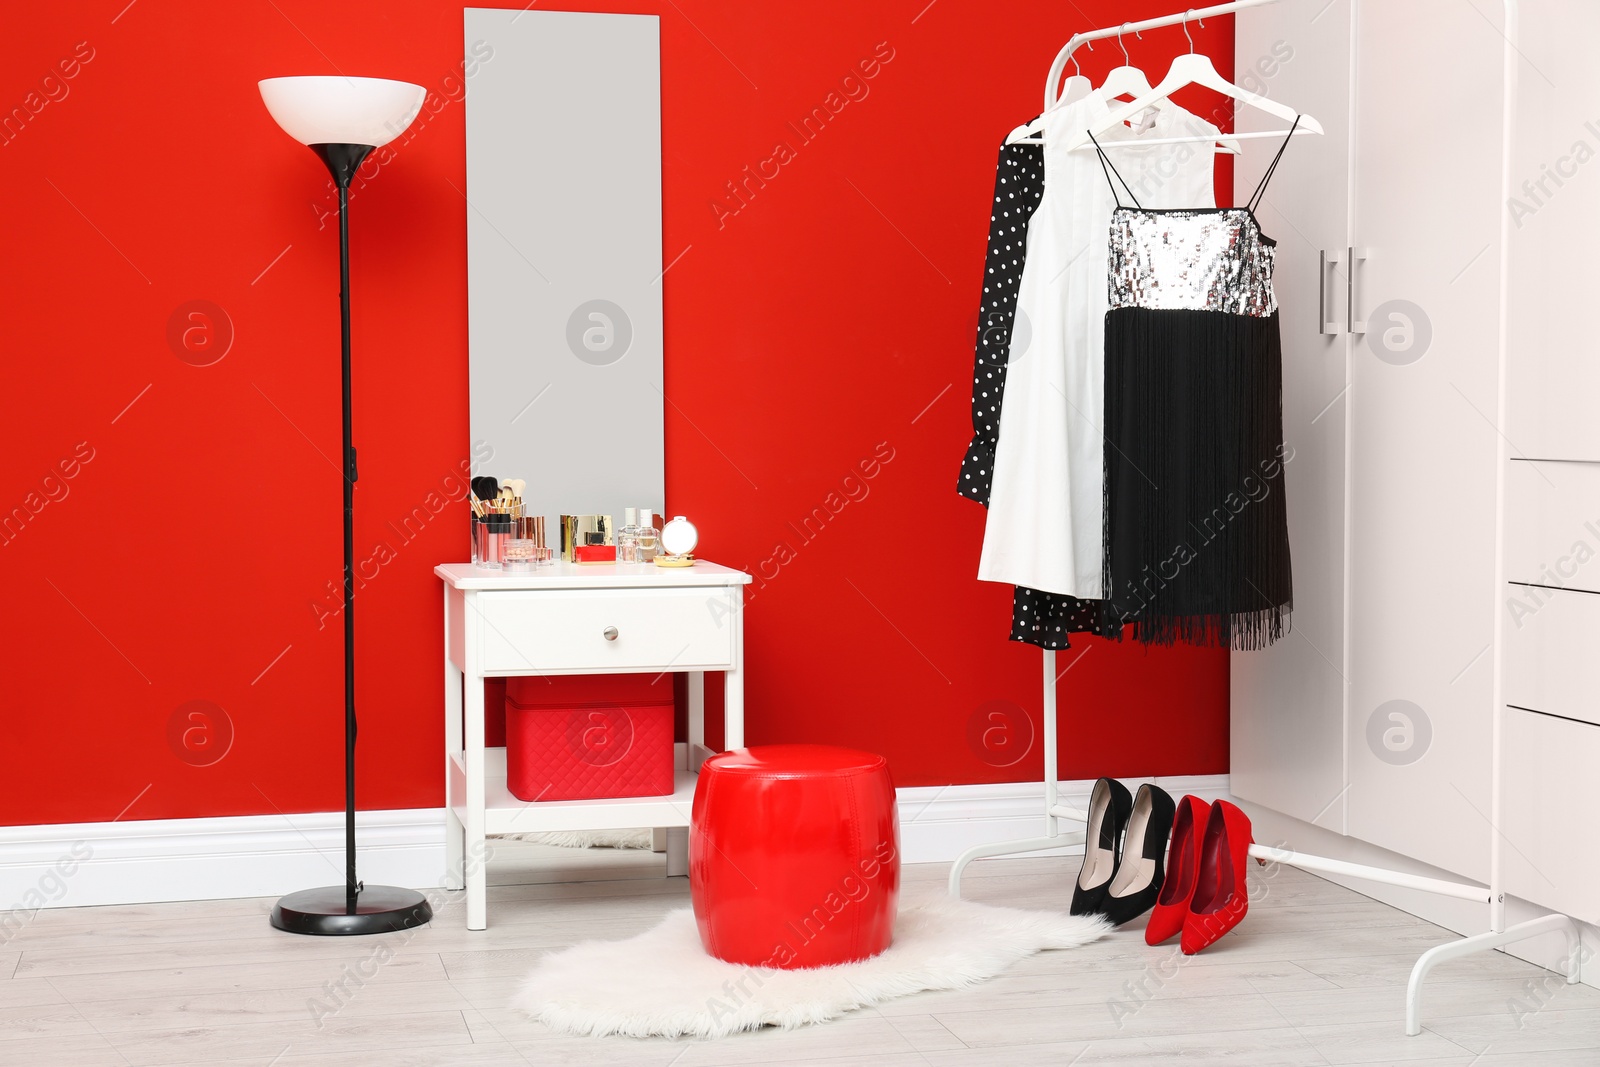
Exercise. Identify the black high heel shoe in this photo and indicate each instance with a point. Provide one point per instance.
(1109, 806)
(1137, 884)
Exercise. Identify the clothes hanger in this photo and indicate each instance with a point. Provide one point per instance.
(1126, 80)
(1129, 80)
(1076, 88)
(1193, 68)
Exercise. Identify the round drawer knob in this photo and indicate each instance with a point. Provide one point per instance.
(610, 633)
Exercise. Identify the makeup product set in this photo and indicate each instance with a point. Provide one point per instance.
(597, 539)
(504, 537)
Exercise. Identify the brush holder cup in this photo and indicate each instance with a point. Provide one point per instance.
(489, 536)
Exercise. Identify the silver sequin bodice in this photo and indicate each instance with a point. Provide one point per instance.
(1191, 259)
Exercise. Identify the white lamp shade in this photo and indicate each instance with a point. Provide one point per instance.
(340, 110)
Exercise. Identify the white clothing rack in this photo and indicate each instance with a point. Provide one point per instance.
(1059, 67)
(1145, 142)
(1498, 934)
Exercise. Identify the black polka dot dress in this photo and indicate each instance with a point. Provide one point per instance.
(1037, 617)
(1018, 189)
(1046, 619)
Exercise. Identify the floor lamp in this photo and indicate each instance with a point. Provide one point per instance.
(342, 120)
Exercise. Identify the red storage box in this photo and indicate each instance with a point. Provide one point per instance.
(588, 737)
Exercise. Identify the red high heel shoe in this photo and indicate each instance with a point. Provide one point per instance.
(1183, 856)
(1220, 897)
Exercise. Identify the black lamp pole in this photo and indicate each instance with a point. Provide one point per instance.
(352, 908)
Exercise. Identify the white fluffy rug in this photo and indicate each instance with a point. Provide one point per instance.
(588, 838)
(663, 983)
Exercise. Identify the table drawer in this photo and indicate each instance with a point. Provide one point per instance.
(1547, 811)
(1553, 524)
(1551, 665)
(677, 629)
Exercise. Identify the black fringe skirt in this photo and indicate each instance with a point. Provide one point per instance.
(1196, 531)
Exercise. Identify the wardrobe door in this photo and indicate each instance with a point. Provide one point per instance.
(1425, 210)
(1554, 388)
(1287, 733)
(1546, 812)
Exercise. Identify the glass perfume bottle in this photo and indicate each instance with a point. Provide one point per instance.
(645, 537)
(628, 537)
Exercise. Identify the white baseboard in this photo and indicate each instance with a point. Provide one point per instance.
(138, 862)
(938, 823)
(81, 864)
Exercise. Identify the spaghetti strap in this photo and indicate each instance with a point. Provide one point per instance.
(1109, 168)
(1261, 187)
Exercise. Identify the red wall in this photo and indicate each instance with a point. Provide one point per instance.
(180, 523)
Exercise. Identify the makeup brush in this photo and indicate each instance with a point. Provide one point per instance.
(485, 488)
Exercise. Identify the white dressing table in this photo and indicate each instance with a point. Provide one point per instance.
(578, 619)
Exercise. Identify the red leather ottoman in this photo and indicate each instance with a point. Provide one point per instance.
(794, 856)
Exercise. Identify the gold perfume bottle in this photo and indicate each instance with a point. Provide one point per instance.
(588, 539)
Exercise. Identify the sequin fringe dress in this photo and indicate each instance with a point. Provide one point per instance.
(1196, 529)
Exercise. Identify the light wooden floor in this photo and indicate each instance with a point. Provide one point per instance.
(1315, 975)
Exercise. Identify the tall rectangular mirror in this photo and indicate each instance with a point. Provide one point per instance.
(564, 260)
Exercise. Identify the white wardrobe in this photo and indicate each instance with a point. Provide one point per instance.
(1551, 601)
(1375, 718)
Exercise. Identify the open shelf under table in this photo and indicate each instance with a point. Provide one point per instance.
(505, 813)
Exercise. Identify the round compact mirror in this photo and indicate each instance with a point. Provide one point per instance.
(679, 536)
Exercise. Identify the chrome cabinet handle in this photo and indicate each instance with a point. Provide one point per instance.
(1326, 324)
(610, 633)
(1356, 325)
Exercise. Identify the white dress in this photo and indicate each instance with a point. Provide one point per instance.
(1046, 506)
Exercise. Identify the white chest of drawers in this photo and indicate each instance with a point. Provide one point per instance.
(577, 619)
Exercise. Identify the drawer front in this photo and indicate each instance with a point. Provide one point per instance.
(1553, 524)
(1547, 809)
(1551, 665)
(559, 630)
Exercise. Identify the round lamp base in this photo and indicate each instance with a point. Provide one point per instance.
(379, 909)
